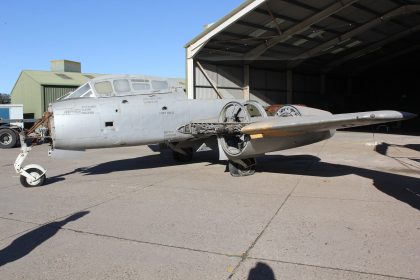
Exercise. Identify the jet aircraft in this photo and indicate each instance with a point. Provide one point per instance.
(127, 110)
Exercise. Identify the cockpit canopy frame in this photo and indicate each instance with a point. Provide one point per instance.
(109, 86)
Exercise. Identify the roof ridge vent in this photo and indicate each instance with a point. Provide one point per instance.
(63, 76)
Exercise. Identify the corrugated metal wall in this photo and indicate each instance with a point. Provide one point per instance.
(229, 81)
(306, 88)
(267, 86)
(52, 93)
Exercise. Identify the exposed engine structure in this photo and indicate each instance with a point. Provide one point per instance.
(239, 145)
(288, 111)
(235, 143)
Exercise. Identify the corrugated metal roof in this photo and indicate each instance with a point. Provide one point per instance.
(59, 78)
(219, 22)
(311, 33)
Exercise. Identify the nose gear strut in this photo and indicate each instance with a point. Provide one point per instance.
(32, 175)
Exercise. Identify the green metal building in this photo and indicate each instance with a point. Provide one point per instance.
(36, 89)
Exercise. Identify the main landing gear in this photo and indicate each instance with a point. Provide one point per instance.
(242, 167)
(183, 156)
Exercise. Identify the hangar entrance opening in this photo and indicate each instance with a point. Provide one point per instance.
(342, 56)
(52, 93)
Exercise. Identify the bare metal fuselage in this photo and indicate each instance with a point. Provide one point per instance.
(126, 121)
(90, 123)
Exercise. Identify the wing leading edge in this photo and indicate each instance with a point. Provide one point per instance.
(305, 124)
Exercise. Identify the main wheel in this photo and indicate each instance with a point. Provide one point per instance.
(8, 138)
(181, 158)
(238, 170)
(35, 172)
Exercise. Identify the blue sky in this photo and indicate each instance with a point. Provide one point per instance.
(127, 36)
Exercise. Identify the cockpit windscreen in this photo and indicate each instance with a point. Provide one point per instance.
(82, 92)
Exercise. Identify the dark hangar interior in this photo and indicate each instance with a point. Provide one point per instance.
(342, 56)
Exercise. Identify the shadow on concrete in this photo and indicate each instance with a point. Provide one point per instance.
(415, 147)
(401, 187)
(147, 162)
(61, 177)
(383, 147)
(164, 159)
(261, 271)
(26, 243)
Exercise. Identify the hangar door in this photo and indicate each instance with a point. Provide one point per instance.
(52, 93)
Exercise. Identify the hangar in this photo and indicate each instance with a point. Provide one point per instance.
(36, 89)
(343, 56)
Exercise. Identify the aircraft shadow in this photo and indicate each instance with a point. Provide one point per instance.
(383, 147)
(54, 179)
(163, 159)
(402, 187)
(147, 162)
(26, 243)
(415, 147)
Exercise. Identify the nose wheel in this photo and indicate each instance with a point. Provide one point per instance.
(37, 178)
(32, 175)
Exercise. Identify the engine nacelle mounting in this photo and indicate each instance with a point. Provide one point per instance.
(238, 146)
(288, 111)
(234, 144)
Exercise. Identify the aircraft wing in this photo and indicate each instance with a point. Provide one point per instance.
(301, 125)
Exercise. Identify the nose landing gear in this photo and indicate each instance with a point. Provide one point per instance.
(32, 175)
